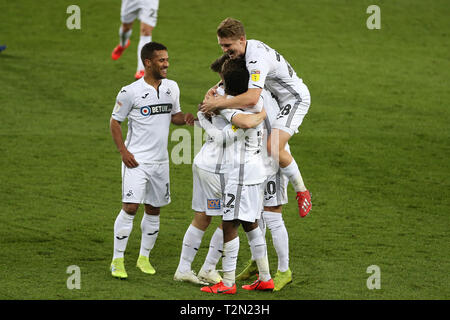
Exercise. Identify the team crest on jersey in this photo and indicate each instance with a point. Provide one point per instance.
(213, 204)
(254, 75)
(168, 92)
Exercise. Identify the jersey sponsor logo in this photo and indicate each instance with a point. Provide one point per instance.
(254, 75)
(146, 111)
(213, 204)
(156, 109)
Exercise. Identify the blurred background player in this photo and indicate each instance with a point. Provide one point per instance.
(150, 104)
(268, 69)
(2, 47)
(147, 12)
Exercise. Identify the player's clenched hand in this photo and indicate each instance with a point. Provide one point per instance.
(128, 159)
(208, 105)
(189, 119)
(211, 92)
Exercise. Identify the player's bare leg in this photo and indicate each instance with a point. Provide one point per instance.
(145, 37)
(276, 144)
(124, 40)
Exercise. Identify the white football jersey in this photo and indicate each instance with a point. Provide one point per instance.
(149, 112)
(211, 156)
(268, 69)
(245, 155)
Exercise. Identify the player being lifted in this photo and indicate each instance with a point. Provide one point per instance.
(150, 104)
(268, 69)
(208, 170)
(147, 12)
(243, 192)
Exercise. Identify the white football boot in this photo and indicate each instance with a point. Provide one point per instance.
(210, 276)
(188, 276)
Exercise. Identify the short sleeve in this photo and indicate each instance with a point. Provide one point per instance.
(176, 98)
(228, 114)
(258, 69)
(124, 104)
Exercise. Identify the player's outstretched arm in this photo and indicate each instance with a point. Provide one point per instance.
(116, 132)
(181, 118)
(247, 121)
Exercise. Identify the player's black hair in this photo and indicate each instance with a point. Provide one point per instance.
(235, 76)
(149, 48)
(216, 66)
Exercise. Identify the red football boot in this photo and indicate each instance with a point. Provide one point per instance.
(139, 74)
(220, 288)
(117, 52)
(304, 203)
(260, 285)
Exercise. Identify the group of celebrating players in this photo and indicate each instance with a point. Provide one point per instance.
(241, 172)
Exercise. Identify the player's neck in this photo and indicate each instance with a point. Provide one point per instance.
(152, 81)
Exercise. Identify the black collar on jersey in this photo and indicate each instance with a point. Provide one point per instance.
(157, 89)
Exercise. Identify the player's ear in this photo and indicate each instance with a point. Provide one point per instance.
(147, 63)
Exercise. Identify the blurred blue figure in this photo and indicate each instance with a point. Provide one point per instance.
(2, 47)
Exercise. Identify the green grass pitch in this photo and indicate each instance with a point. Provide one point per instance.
(374, 148)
